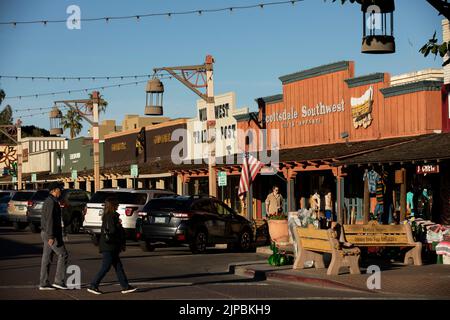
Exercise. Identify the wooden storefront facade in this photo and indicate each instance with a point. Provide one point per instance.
(326, 116)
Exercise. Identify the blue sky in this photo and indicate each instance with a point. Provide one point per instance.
(252, 48)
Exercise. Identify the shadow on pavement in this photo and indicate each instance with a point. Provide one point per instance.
(12, 249)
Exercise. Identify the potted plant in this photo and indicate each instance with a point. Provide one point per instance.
(278, 227)
(279, 258)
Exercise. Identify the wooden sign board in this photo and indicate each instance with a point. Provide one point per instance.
(399, 177)
(427, 168)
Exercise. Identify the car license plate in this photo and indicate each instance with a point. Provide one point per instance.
(160, 220)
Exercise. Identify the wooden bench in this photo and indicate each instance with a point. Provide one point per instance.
(376, 235)
(313, 243)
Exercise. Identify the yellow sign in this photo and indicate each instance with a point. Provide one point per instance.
(119, 146)
(162, 138)
(362, 109)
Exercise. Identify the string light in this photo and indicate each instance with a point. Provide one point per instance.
(64, 78)
(147, 15)
(85, 90)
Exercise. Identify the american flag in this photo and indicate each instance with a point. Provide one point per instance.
(252, 165)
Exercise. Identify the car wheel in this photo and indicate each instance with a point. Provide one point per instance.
(19, 226)
(198, 245)
(35, 228)
(147, 246)
(95, 238)
(245, 240)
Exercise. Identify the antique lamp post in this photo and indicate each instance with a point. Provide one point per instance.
(55, 121)
(154, 97)
(89, 111)
(194, 77)
(378, 26)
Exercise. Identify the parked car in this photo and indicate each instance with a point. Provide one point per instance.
(5, 197)
(18, 207)
(131, 201)
(196, 220)
(72, 203)
(34, 210)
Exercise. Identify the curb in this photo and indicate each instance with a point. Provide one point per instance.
(270, 275)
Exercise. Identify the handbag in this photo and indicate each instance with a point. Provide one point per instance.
(107, 234)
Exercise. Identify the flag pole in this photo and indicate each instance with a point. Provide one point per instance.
(250, 189)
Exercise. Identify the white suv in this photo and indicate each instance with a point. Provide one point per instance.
(131, 201)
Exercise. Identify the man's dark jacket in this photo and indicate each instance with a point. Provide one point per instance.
(51, 219)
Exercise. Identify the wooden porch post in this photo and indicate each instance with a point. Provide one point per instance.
(403, 196)
(366, 206)
(340, 187)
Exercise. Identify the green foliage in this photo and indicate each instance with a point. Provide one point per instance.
(277, 216)
(72, 121)
(102, 105)
(279, 259)
(33, 131)
(435, 48)
(6, 115)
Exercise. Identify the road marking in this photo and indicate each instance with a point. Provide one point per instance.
(27, 286)
(238, 284)
(160, 283)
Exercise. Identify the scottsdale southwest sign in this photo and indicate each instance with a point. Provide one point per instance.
(305, 114)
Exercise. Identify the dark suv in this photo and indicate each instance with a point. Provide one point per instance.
(197, 221)
(72, 203)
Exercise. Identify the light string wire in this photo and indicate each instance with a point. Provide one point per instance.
(146, 15)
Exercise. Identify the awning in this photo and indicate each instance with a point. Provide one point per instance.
(434, 147)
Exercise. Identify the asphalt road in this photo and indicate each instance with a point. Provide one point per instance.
(166, 273)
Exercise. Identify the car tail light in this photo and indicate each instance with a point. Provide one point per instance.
(138, 235)
(129, 211)
(182, 215)
(30, 203)
(181, 237)
(62, 204)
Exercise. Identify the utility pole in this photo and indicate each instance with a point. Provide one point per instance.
(211, 127)
(193, 77)
(91, 109)
(96, 140)
(19, 155)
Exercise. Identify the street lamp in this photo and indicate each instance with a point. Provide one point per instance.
(378, 26)
(91, 115)
(195, 78)
(154, 97)
(55, 121)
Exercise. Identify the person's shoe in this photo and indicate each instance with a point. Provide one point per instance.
(94, 290)
(60, 286)
(46, 288)
(129, 289)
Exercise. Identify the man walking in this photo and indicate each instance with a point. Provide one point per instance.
(52, 236)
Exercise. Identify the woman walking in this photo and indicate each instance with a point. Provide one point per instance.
(112, 242)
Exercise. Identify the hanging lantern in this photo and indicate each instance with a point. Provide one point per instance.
(378, 26)
(154, 97)
(55, 121)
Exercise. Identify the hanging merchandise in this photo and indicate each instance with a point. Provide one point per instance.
(372, 176)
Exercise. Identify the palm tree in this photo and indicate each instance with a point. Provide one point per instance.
(102, 105)
(2, 95)
(72, 121)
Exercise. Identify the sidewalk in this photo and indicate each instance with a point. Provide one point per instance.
(397, 280)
